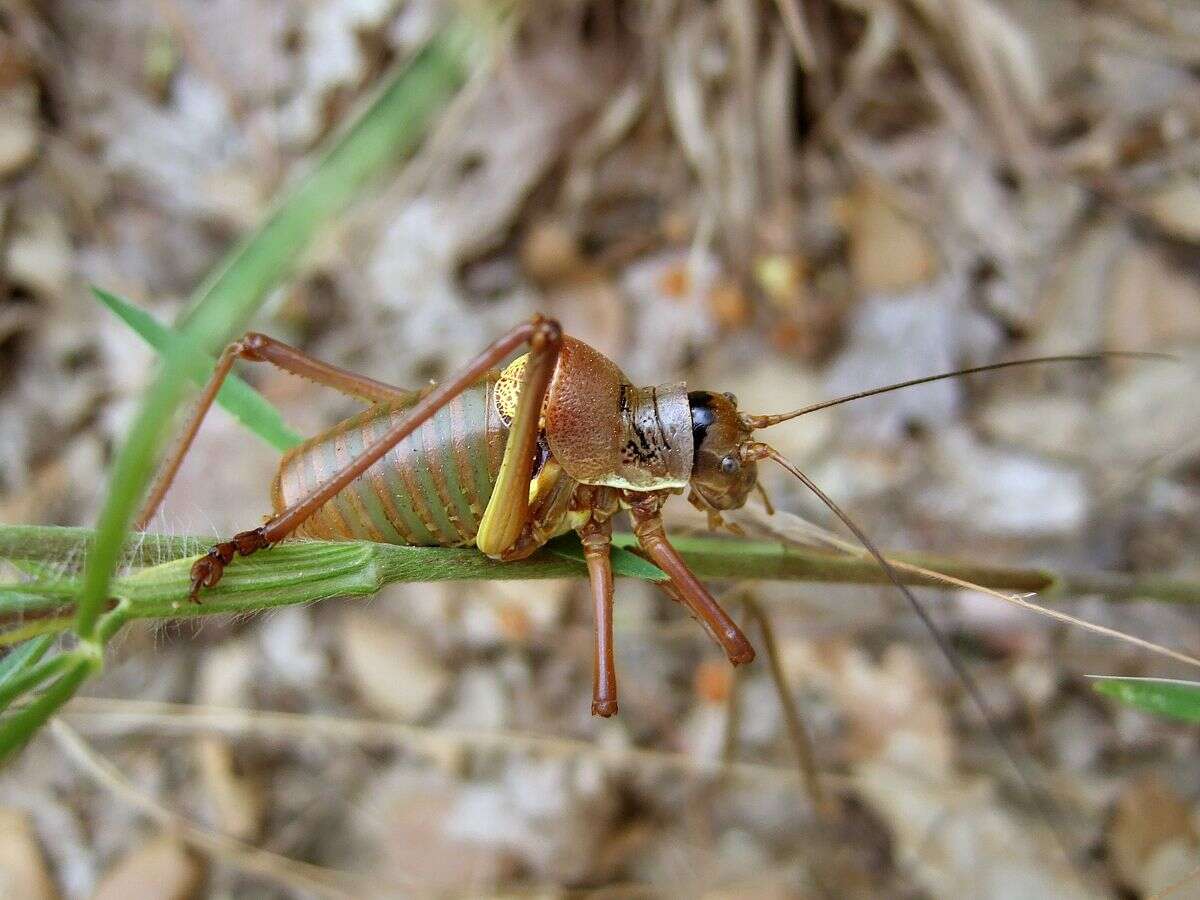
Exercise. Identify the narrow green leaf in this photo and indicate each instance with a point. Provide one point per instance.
(1169, 697)
(156, 566)
(22, 657)
(17, 728)
(56, 543)
(30, 677)
(35, 569)
(34, 628)
(246, 404)
(34, 597)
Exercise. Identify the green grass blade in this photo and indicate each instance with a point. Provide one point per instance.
(30, 677)
(246, 404)
(22, 657)
(39, 627)
(17, 728)
(132, 470)
(52, 544)
(156, 580)
(1165, 696)
(35, 597)
(386, 131)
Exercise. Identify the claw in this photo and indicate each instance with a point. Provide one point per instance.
(604, 708)
(742, 656)
(208, 569)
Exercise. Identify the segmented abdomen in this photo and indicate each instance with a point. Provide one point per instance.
(430, 489)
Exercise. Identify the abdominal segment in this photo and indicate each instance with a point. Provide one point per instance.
(429, 490)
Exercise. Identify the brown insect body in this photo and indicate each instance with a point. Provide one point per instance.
(431, 489)
(559, 440)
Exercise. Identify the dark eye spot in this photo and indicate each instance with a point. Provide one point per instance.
(730, 464)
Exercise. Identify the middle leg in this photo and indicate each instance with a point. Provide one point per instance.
(596, 537)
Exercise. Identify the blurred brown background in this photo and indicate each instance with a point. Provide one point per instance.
(783, 200)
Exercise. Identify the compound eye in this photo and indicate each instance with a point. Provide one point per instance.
(730, 465)
(731, 397)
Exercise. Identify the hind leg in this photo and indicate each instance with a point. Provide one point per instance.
(254, 347)
(541, 335)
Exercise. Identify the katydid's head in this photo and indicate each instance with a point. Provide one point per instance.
(720, 474)
(725, 454)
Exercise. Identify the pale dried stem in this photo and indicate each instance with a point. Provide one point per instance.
(106, 716)
(1175, 886)
(984, 73)
(788, 527)
(802, 743)
(733, 711)
(797, 29)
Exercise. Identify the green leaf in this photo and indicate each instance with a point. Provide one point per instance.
(23, 656)
(1165, 696)
(35, 597)
(246, 404)
(29, 678)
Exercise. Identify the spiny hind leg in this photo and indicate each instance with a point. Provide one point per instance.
(540, 334)
(255, 347)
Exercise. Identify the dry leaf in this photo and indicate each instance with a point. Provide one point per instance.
(1151, 837)
(224, 678)
(1176, 208)
(19, 133)
(1153, 305)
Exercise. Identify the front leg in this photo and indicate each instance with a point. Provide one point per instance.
(684, 586)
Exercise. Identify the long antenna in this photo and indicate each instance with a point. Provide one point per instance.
(756, 422)
(1045, 807)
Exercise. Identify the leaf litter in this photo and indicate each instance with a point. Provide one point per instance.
(814, 198)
